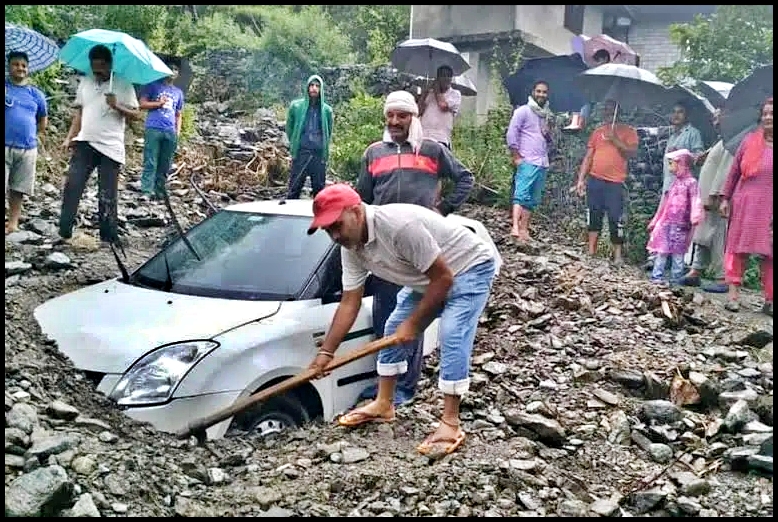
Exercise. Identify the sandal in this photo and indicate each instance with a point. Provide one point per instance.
(452, 444)
(358, 417)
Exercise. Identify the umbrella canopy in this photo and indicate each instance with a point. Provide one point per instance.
(41, 51)
(619, 52)
(559, 72)
(627, 85)
(700, 110)
(132, 60)
(741, 110)
(715, 92)
(460, 83)
(423, 56)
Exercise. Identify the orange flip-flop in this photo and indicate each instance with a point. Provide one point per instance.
(356, 418)
(425, 448)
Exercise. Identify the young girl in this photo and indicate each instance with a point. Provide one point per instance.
(671, 228)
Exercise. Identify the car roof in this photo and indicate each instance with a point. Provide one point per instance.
(288, 207)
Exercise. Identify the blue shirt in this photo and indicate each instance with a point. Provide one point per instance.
(24, 106)
(164, 118)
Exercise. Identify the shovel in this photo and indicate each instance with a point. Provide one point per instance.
(198, 427)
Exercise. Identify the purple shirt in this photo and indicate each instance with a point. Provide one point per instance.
(525, 137)
(164, 118)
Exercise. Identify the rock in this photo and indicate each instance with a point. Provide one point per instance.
(660, 411)
(84, 507)
(661, 453)
(22, 416)
(738, 416)
(57, 260)
(547, 430)
(766, 448)
(604, 507)
(62, 410)
(40, 493)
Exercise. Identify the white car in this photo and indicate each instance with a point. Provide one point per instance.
(184, 338)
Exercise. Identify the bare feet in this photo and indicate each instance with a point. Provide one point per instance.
(524, 235)
(515, 232)
(11, 227)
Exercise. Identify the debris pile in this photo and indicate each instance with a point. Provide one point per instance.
(593, 393)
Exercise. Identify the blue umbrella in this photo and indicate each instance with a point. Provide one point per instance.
(41, 51)
(132, 60)
(559, 71)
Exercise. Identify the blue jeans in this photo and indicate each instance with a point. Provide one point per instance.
(158, 150)
(463, 306)
(529, 182)
(677, 267)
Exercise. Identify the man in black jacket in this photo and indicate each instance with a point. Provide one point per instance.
(405, 168)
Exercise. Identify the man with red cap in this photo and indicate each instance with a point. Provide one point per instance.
(444, 270)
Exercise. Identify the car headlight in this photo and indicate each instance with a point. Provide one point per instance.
(154, 377)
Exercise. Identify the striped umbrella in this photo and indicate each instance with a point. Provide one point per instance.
(41, 51)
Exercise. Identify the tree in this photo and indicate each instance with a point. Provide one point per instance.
(726, 46)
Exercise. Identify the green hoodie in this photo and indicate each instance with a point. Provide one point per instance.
(295, 119)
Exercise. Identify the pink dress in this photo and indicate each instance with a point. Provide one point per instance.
(671, 227)
(751, 206)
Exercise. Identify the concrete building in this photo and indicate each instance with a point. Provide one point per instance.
(478, 31)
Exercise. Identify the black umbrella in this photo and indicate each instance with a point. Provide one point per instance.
(741, 111)
(700, 110)
(715, 95)
(559, 72)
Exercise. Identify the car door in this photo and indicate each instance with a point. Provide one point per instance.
(347, 382)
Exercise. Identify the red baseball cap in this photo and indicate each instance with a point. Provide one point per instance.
(330, 203)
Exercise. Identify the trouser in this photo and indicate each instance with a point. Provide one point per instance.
(677, 267)
(529, 182)
(159, 147)
(712, 256)
(735, 265)
(462, 308)
(307, 163)
(83, 161)
(605, 197)
(384, 303)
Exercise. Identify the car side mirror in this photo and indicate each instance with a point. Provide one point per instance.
(331, 297)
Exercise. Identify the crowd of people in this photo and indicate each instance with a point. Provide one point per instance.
(391, 224)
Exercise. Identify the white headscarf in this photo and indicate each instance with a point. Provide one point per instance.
(405, 102)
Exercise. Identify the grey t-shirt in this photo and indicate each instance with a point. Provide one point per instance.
(404, 240)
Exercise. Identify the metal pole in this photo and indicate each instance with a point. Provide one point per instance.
(410, 26)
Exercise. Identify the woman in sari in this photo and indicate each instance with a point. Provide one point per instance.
(748, 203)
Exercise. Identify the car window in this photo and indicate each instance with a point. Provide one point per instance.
(242, 256)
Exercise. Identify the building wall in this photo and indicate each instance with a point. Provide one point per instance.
(651, 40)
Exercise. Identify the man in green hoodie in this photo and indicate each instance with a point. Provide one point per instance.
(309, 129)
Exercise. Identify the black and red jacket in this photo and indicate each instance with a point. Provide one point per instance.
(393, 173)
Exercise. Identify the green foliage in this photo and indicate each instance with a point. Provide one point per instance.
(358, 123)
(188, 119)
(725, 46)
(374, 29)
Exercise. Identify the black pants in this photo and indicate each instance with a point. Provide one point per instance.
(83, 161)
(605, 197)
(306, 163)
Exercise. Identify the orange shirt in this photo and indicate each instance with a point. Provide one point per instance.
(608, 163)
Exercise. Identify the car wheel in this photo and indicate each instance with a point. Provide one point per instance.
(273, 416)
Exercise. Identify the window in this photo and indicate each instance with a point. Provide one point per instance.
(242, 256)
(574, 18)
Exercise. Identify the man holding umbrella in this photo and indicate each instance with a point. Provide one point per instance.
(96, 139)
(438, 106)
(26, 117)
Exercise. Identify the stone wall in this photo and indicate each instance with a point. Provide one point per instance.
(248, 80)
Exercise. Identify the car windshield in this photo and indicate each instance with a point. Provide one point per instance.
(242, 256)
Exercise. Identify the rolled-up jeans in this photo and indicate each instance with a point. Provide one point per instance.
(459, 316)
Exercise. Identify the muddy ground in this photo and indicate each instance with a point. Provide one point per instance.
(571, 413)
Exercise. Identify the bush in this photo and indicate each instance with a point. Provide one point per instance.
(358, 123)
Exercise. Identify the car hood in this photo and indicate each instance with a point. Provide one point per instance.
(108, 326)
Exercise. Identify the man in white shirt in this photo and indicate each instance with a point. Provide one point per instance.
(438, 106)
(96, 139)
(444, 268)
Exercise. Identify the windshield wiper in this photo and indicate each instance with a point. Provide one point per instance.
(168, 285)
(178, 225)
(122, 268)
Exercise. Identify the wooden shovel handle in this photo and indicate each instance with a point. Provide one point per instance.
(244, 404)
